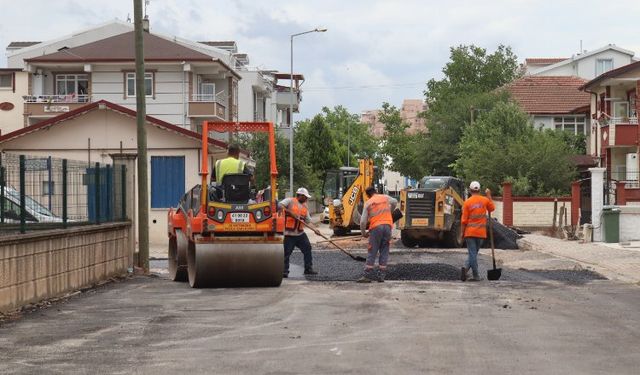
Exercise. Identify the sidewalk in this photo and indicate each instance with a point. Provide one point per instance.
(615, 262)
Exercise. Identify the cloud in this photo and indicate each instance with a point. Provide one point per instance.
(389, 48)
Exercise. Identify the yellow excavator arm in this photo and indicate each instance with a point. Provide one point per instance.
(342, 217)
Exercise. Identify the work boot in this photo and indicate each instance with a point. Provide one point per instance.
(463, 274)
(285, 275)
(364, 280)
(475, 278)
(310, 271)
(381, 276)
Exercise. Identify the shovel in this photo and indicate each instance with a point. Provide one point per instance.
(495, 273)
(354, 257)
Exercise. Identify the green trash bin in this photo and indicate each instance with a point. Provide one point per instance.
(611, 224)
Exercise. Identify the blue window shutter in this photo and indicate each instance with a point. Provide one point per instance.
(167, 181)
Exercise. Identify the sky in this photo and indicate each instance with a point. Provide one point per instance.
(373, 52)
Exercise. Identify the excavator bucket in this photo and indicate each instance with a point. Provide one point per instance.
(235, 264)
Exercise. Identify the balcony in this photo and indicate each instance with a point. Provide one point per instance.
(620, 131)
(206, 106)
(52, 105)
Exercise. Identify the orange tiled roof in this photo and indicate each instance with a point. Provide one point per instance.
(544, 60)
(549, 94)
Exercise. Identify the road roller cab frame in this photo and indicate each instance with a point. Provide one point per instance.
(218, 237)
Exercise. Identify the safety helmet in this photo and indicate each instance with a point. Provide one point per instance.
(474, 186)
(305, 192)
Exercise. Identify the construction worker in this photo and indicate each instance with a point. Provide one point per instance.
(296, 215)
(230, 164)
(377, 214)
(474, 227)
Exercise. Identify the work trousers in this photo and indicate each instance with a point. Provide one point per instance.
(379, 242)
(473, 246)
(302, 243)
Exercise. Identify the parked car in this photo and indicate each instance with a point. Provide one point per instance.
(35, 212)
(325, 215)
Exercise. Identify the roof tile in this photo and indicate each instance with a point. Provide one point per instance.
(549, 94)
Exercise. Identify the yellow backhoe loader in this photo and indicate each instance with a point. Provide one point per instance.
(343, 193)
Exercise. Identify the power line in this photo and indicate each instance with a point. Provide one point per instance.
(361, 87)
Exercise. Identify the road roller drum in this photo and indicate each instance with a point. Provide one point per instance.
(219, 265)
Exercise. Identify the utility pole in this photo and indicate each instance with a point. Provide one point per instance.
(143, 190)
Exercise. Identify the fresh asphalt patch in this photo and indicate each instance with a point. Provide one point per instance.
(436, 266)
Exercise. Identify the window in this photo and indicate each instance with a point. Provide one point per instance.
(603, 66)
(6, 80)
(620, 109)
(207, 92)
(72, 84)
(131, 84)
(571, 124)
(167, 181)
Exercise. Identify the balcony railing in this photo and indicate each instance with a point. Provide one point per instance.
(623, 121)
(47, 99)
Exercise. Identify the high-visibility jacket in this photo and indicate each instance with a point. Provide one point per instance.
(226, 166)
(474, 216)
(299, 210)
(379, 211)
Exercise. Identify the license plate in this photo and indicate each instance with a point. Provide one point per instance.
(415, 195)
(420, 222)
(240, 217)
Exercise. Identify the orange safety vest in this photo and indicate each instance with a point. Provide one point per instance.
(474, 216)
(298, 209)
(379, 211)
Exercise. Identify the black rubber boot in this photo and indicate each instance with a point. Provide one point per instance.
(310, 271)
(381, 276)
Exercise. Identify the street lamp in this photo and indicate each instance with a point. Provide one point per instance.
(316, 30)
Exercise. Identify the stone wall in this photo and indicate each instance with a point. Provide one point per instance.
(45, 264)
(629, 223)
(532, 212)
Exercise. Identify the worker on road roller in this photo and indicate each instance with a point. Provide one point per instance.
(229, 165)
(296, 212)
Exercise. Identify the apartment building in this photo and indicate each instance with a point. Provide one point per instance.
(186, 81)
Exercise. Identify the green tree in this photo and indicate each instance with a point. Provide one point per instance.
(467, 89)
(502, 145)
(401, 148)
(351, 134)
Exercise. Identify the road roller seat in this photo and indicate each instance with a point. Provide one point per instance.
(235, 188)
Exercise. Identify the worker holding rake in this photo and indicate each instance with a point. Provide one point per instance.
(377, 214)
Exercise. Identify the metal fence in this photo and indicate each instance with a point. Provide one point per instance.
(45, 192)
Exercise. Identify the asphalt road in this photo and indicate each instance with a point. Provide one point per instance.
(532, 321)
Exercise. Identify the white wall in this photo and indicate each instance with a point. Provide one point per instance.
(586, 67)
(246, 99)
(14, 119)
(168, 105)
(629, 223)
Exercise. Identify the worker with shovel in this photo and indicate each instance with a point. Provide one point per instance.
(296, 214)
(377, 214)
(474, 227)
